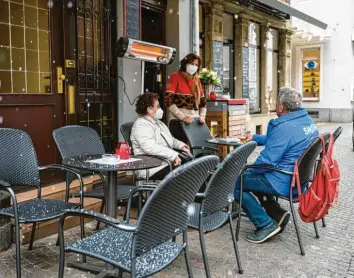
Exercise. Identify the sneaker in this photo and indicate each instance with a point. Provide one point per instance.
(262, 234)
(275, 211)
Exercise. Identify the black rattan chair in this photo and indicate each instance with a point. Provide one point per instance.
(19, 166)
(77, 140)
(197, 134)
(146, 248)
(307, 168)
(215, 209)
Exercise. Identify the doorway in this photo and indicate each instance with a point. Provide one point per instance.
(153, 32)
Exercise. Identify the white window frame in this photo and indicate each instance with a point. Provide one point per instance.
(299, 50)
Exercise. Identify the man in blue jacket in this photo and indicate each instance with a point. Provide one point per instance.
(286, 139)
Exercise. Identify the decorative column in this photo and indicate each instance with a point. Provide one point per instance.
(265, 107)
(241, 55)
(214, 38)
(285, 57)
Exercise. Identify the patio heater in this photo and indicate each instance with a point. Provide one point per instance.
(145, 52)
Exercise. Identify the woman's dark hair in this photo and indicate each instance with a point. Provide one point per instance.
(145, 101)
(188, 60)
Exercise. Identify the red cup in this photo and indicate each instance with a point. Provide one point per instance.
(123, 150)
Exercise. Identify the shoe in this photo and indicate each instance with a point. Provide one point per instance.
(276, 212)
(262, 234)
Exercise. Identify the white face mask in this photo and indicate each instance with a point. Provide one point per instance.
(191, 69)
(159, 114)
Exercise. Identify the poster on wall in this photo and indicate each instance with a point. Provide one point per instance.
(311, 73)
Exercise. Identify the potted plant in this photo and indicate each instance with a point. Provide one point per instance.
(209, 79)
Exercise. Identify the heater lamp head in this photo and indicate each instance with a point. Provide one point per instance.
(144, 51)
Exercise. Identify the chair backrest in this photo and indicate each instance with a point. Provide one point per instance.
(220, 188)
(18, 158)
(126, 130)
(308, 161)
(166, 212)
(197, 134)
(75, 140)
(337, 133)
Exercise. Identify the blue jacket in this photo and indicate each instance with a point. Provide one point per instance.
(286, 139)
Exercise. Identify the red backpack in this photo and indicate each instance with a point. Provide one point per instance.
(323, 192)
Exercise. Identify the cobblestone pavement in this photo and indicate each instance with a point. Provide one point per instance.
(329, 256)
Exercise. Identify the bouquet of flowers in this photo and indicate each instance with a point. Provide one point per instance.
(208, 77)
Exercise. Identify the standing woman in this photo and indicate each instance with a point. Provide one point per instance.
(184, 97)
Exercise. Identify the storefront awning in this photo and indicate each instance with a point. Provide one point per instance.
(278, 6)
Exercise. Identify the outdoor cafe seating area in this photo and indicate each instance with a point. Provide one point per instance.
(197, 195)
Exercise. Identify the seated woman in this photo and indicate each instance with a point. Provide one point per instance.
(152, 137)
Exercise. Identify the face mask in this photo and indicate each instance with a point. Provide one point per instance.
(159, 114)
(191, 69)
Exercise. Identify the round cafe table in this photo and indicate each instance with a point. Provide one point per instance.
(224, 142)
(95, 163)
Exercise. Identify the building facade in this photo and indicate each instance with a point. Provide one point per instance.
(58, 64)
(248, 46)
(323, 61)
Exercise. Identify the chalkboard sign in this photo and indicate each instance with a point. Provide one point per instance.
(132, 19)
(218, 61)
(245, 73)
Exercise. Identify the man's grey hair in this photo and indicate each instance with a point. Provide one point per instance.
(289, 98)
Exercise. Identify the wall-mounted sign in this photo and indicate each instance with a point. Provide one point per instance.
(132, 18)
(144, 51)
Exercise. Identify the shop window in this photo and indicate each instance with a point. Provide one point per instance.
(228, 66)
(254, 67)
(25, 47)
(272, 68)
(311, 73)
(228, 55)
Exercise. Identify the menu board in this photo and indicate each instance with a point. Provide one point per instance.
(218, 61)
(245, 73)
(132, 19)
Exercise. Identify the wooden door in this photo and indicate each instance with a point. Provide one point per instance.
(53, 73)
(29, 99)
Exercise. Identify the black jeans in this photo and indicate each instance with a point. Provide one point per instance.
(177, 131)
(160, 175)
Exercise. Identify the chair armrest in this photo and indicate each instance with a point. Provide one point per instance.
(110, 221)
(93, 215)
(4, 184)
(132, 193)
(268, 167)
(209, 149)
(160, 158)
(200, 195)
(67, 169)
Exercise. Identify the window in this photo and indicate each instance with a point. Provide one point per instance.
(228, 62)
(25, 47)
(254, 67)
(228, 54)
(272, 68)
(311, 73)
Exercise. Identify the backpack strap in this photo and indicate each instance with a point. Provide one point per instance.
(296, 179)
(330, 145)
(323, 145)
